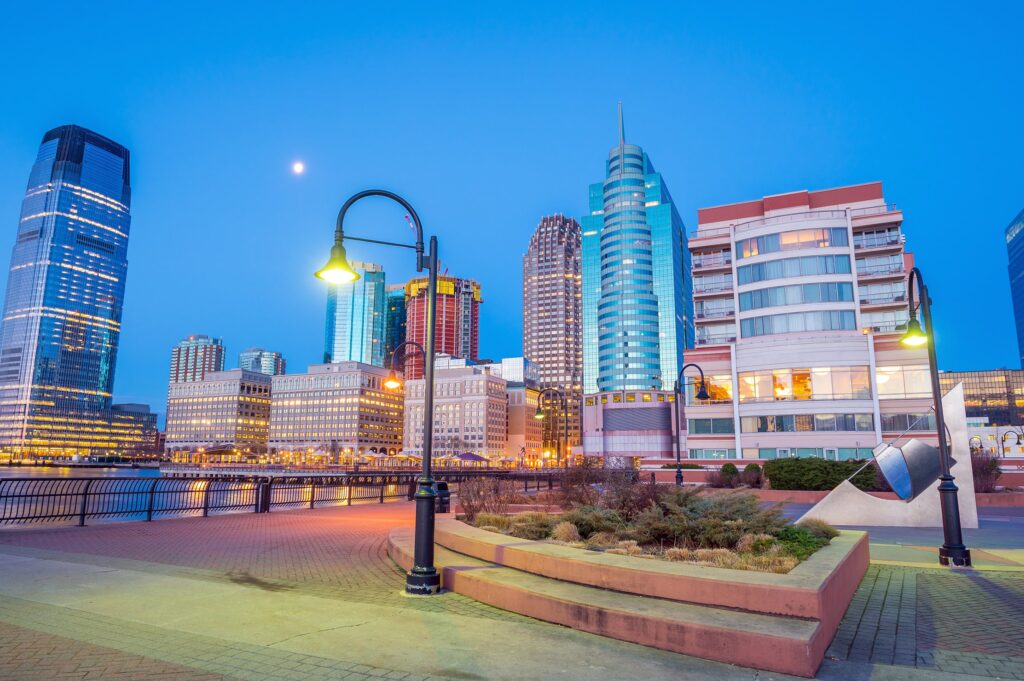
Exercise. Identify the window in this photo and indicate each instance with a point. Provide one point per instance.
(799, 423)
(792, 240)
(775, 296)
(796, 322)
(903, 381)
(710, 426)
(901, 423)
(719, 389)
(792, 267)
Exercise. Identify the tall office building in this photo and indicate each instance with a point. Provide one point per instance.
(458, 319)
(356, 314)
(195, 356)
(997, 394)
(552, 314)
(394, 322)
(1015, 251)
(65, 290)
(262, 361)
(635, 280)
(223, 416)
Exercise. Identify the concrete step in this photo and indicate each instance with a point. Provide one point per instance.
(772, 642)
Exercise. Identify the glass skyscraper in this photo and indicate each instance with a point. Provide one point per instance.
(1015, 251)
(356, 316)
(65, 289)
(636, 290)
(394, 323)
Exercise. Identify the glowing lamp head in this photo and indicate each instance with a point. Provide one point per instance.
(539, 414)
(337, 270)
(392, 382)
(702, 394)
(915, 336)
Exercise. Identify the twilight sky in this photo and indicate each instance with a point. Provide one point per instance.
(486, 119)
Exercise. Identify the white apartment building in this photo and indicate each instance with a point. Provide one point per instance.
(334, 413)
(470, 412)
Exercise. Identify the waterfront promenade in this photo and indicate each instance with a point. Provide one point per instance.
(311, 594)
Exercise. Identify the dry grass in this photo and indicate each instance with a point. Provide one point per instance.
(565, 532)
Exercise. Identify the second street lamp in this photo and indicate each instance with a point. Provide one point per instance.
(424, 578)
(702, 394)
(953, 548)
(539, 415)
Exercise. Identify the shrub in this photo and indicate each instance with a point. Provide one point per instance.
(755, 543)
(799, 542)
(812, 473)
(485, 495)
(534, 525)
(715, 479)
(490, 528)
(986, 471)
(602, 540)
(565, 532)
(751, 475)
(502, 522)
(684, 466)
(629, 498)
(819, 528)
(578, 484)
(590, 520)
(730, 473)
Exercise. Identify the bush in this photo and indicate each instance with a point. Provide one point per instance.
(602, 540)
(986, 471)
(627, 497)
(534, 525)
(819, 528)
(799, 542)
(565, 532)
(590, 520)
(751, 475)
(502, 522)
(812, 473)
(730, 474)
(579, 484)
(684, 466)
(485, 495)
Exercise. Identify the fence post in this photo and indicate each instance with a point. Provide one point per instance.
(383, 484)
(267, 494)
(206, 498)
(348, 501)
(149, 508)
(312, 492)
(412, 489)
(85, 497)
(551, 481)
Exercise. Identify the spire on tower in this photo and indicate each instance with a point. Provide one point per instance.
(622, 130)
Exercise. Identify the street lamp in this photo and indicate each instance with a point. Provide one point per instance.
(424, 578)
(393, 382)
(702, 394)
(953, 548)
(1002, 441)
(539, 415)
(970, 443)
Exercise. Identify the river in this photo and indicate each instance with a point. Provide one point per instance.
(75, 472)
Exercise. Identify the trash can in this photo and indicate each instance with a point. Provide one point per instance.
(443, 500)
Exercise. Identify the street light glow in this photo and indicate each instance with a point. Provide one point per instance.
(915, 335)
(337, 270)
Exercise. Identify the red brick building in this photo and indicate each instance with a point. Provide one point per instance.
(458, 320)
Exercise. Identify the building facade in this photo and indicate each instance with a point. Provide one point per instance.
(196, 356)
(334, 413)
(635, 278)
(1015, 266)
(62, 311)
(553, 315)
(262, 361)
(394, 320)
(470, 413)
(457, 331)
(997, 394)
(225, 415)
(356, 315)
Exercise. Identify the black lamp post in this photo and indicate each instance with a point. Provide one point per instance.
(539, 415)
(1002, 441)
(953, 548)
(424, 578)
(702, 394)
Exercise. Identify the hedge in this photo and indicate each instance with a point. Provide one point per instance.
(818, 474)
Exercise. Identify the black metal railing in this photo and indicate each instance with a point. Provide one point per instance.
(30, 500)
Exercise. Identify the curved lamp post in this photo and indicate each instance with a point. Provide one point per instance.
(393, 382)
(539, 415)
(973, 447)
(424, 578)
(702, 394)
(1002, 441)
(953, 548)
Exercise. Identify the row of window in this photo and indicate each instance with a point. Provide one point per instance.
(826, 292)
(807, 423)
(793, 267)
(769, 453)
(792, 240)
(795, 322)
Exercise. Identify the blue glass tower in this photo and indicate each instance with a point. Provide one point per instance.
(65, 290)
(356, 318)
(636, 280)
(1015, 252)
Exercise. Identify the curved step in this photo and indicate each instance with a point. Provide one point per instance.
(776, 643)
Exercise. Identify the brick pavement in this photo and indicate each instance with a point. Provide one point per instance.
(959, 622)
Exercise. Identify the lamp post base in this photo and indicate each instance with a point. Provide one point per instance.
(958, 555)
(679, 477)
(952, 549)
(423, 583)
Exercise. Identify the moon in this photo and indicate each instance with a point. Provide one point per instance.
(298, 167)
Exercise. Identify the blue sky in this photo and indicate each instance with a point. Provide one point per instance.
(487, 118)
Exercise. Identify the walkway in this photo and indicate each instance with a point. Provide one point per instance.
(311, 595)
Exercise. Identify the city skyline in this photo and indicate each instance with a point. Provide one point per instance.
(818, 119)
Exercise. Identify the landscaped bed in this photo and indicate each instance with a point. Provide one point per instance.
(621, 516)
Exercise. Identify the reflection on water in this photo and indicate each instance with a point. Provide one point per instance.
(75, 472)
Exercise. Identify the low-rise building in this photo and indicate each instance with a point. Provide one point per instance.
(334, 413)
(226, 415)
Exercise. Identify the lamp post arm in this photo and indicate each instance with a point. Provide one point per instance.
(422, 262)
(400, 346)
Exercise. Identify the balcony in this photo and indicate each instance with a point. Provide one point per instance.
(887, 327)
(884, 299)
(709, 315)
(712, 289)
(712, 235)
(874, 216)
(708, 261)
(877, 242)
(887, 269)
(717, 339)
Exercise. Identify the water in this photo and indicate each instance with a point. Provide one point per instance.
(75, 472)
